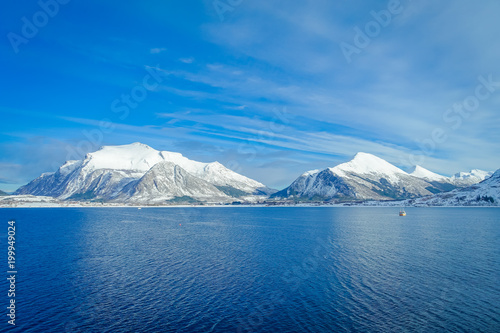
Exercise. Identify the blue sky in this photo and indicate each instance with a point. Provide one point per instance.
(269, 88)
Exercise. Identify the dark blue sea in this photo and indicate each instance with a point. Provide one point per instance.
(267, 269)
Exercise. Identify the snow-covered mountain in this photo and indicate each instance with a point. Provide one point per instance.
(470, 178)
(365, 177)
(485, 193)
(461, 179)
(439, 182)
(137, 172)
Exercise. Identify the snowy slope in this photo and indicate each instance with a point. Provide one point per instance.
(461, 179)
(368, 164)
(136, 156)
(26, 201)
(106, 173)
(472, 177)
(423, 173)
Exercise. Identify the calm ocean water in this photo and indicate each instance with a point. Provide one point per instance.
(254, 269)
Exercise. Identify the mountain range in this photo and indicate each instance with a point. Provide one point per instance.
(368, 177)
(460, 179)
(485, 193)
(137, 173)
(141, 174)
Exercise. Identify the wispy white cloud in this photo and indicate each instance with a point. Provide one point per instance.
(157, 50)
(400, 86)
(189, 60)
(268, 55)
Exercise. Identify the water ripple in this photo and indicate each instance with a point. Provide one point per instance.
(262, 270)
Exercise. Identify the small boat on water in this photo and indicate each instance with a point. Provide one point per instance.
(402, 212)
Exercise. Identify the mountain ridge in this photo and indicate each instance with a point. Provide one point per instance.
(137, 173)
(484, 193)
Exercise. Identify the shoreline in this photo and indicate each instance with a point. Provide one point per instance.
(241, 206)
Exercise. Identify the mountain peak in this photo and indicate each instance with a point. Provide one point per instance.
(362, 155)
(364, 163)
(135, 156)
(473, 174)
(421, 172)
(131, 146)
(367, 158)
(310, 173)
